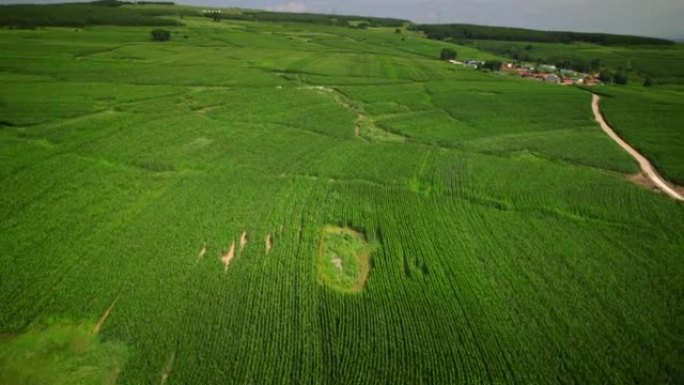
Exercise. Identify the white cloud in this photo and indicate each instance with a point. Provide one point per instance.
(292, 6)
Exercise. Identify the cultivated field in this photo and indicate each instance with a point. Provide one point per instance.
(269, 203)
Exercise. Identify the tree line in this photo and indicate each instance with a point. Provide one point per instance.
(477, 32)
(83, 14)
(313, 18)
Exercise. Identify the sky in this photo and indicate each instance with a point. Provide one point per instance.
(660, 18)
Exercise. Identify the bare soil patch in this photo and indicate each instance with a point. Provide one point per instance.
(338, 263)
(228, 257)
(243, 240)
(642, 180)
(167, 369)
(104, 317)
(202, 252)
(206, 109)
(268, 243)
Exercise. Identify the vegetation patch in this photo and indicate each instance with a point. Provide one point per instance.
(29, 16)
(343, 260)
(60, 354)
(481, 32)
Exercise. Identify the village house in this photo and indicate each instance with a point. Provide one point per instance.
(552, 78)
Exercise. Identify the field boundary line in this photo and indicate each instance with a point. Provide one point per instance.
(644, 164)
(104, 317)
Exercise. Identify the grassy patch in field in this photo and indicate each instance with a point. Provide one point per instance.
(62, 354)
(343, 259)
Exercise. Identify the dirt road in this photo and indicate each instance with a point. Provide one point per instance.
(644, 164)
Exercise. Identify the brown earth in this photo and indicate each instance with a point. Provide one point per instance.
(243, 240)
(202, 252)
(337, 261)
(228, 257)
(268, 243)
(206, 109)
(104, 317)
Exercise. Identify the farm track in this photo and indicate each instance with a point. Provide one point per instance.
(646, 166)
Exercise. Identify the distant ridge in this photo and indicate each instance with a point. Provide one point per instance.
(480, 32)
(124, 13)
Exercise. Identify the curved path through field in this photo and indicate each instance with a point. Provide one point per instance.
(644, 164)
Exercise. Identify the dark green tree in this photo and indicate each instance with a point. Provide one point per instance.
(160, 35)
(448, 54)
(492, 65)
(595, 64)
(606, 77)
(620, 78)
(648, 82)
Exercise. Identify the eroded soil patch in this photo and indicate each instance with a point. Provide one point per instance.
(268, 243)
(226, 258)
(202, 252)
(104, 317)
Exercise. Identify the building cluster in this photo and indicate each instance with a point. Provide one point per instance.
(551, 74)
(540, 72)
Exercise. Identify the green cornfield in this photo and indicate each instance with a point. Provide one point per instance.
(163, 206)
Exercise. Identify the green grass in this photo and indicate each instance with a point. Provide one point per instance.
(59, 354)
(508, 246)
(343, 260)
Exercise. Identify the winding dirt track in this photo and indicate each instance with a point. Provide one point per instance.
(644, 164)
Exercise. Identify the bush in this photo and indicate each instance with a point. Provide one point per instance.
(606, 77)
(160, 35)
(448, 54)
(620, 78)
(492, 65)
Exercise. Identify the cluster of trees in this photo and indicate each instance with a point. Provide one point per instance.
(160, 35)
(118, 3)
(611, 77)
(451, 54)
(448, 54)
(312, 18)
(612, 74)
(478, 32)
(492, 65)
(518, 53)
(214, 15)
(83, 14)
